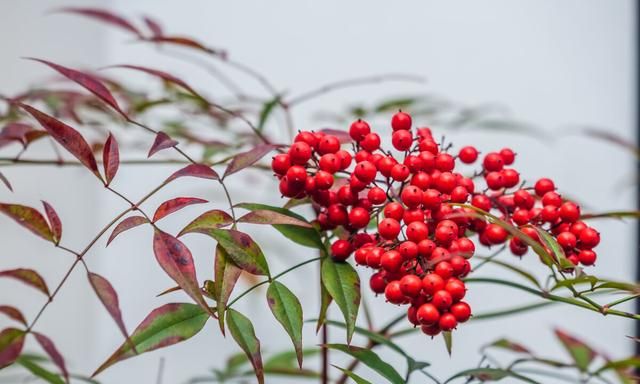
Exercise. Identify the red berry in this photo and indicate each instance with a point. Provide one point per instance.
(587, 257)
(373, 257)
(346, 195)
(411, 196)
(567, 240)
(443, 269)
(461, 311)
(459, 194)
(428, 314)
(493, 162)
(510, 177)
(359, 129)
(365, 171)
(494, 180)
(411, 285)
(523, 199)
(393, 293)
(377, 282)
(359, 217)
(460, 265)
(328, 144)
(549, 213)
(377, 195)
(385, 164)
(401, 121)
(408, 250)
(543, 186)
(400, 172)
(415, 231)
(393, 210)
(391, 261)
(496, 234)
(337, 214)
(456, 288)
(341, 250)
(324, 180)
(431, 283)
(481, 201)
(307, 137)
(468, 154)
(426, 247)
(446, 182)
(508, 156)
(432, 199)
(466, 248)
(520, 216)
(300, 153)
(442, 299)
(411, 215)
(389, 228)
(445, 162)
(344, 158)
(589, 238)
(447, 322)
(517, 247)
(569, 212)
(297, 174)
(421, 180)
(402, 140)
(370, 142)
(281, 163)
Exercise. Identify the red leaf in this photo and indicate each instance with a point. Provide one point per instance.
(248, 158)
(343, 136)
(173, 205)
(54, 221)
(175, 259)
(15, 132)
(29, 277)
(184, 42)
(88, 82)
(162, 141)
(226, 275)
(209, 220)
(162, 75)
(13, 313)
(11, 343)
(68, 137)
(126, 224)
(5, 181)
(28, 218)
(110, 158)
(53, 353)
(104, 16)
(194, 170)
(109, 298)
(154, 26)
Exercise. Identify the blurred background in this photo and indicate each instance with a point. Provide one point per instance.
(558, 66)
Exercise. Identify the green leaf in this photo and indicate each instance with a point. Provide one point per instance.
(213, 219)
(611, 215)
(286, 308)
(448, 341)
(241, 248)
(308, 237)
(242, 331)
(580, 352)
(164, 326)
(40, 372)
(267, 108)
(343, 284)
(510, 267)
(556, 250)
(356, 379)
(630, 362)
(325, 300)
(396, 104)
(490, 374)
(226, 275)
(263, 216)
(371, 360)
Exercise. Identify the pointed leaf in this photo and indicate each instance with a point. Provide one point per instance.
(356, 379)
(371, 360)
(213, 219)
(11, 343)
(226, 275)
(164, 326)
(173, 205)
(242, 331)
(267, 108)
(557, 252)
(54, 221)
(581, 353)
(162, 141)
(272, 218)
(448, 341)
(29, 277)
(68, 137)
(13, 313)
(343, 284)
(248, 158)
(342, 135)
(169, 78)
(53, 353)
(244, 252)
(126, 224)
(175, 259)
(194, 170)
(103, 16)
(489, 374)
(87, 81)
(110, 158)
(325, 301)
(5, 181)
(308, 237)
(109, 298)
(184, 42)
(510, 345)
(153, 26)
(28, 218)
(37, 370)
(286, 308)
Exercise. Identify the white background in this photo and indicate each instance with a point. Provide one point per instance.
(556, 64)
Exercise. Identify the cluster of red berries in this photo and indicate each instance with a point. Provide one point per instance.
(406, 220)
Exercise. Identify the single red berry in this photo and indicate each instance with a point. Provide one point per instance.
(549, 213)
(337, 214)
(494, 180)
(517, 246)
(402, 140)
(445, 162)
(415, 231)
(496, 234)
(543, 186)
(365, 171)
(460, 265)
(523, 199)
(328, 144)
(359, 129)
(569, 212)
(411, 215)
(520, 216)
(346, 195)
(493, 162)
(356, 184)
(300, 153)
(408, 250)
(370, 142)
(411, 285)
(508, 156)
(587, 257)
(430, 330)
(421, 180)
(510, 177)
(393, 210)
(442, 299)
(385, 164)
(443, 269)
(461, 311)
(466, 248)
(341, 250)
(447, 322)
(468, 154)
(428, 160)
(432, 199)
(329, 163)
(400, 172)
(567, 240)
(344, 158)
(459, 194)
(363, 156)
(281, 163)
(481, 201)
(297, 174)
(391, 261)
(444, 235)
(307, 137)
(324, 180)
(411, 196)
(428, 314)
(358, 217)
(388, 228)
(373, 257)
(360, 255)
(431, 283)
(456, 288)
(377, 195)
(589, 238)
(377, 282)
(393, 293)
(446, 182)
(426, 247)
(401, 121)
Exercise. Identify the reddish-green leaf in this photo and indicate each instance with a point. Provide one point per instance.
(162, 141)
(263, 216)
(11, 343)
(286, 308)
(194, 170)
(13, 313)
(226, 276)
(371, 360)
(343, 284)
(109, 298)
(15, 132)
(183, 42)
(581, 353)
(173, 205)
(110, 158)
(126, 224)
(68, 137)
(105, 17)
(54, 221)
(28, 218)
(87, 81)
(164, 326)
(213, 219)
(5, 181)
(248, 158)
(175, 259)
(153, 26)
(510, 345)
(356, 379)
(244, 252)
(53, 353)
(490, 374)
(169, 78)
(242, 331)
(343, 136)
(29, 277)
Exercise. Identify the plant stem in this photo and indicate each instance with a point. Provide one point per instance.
(325, 354)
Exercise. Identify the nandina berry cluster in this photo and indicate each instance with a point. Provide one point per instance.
(403, 213)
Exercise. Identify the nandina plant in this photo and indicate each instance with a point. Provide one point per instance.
(412, 213)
